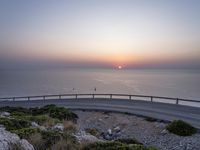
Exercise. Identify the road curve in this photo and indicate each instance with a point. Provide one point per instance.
(157, 110)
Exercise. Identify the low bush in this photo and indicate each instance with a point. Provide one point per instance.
(62, 114)
(64, 145)
(54, 111)
(105, 146)
(40, 119)
(129, 141)
(51, 137)
(25, 132)
(15, 110)
(115, 145)
(181, 128)
(14, 124)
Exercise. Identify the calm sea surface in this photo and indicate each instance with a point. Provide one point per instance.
(171, 83)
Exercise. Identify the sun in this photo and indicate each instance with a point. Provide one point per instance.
(119, 67)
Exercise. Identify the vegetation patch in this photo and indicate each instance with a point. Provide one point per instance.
(15, 110)
(14, 124)
(54, 111)
(51, 137)
(115, 145)
(129, 141)
(51, 110)
(25, 132)
(181, 128)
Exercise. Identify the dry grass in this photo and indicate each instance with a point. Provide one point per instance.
(64, 145)
(16, 146)
(69, 126)
(50, 122)
(37, 141)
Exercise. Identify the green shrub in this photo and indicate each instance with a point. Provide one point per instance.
(129, 141)
(181, 128)
(115, 145)
(141, 147)
(38, 119)
(62, 113)
(25, 132)
(51, 137)
(106, 146)
(14, 124)
(13, 110)
(54, 111)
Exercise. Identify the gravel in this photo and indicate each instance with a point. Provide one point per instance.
(130, 126)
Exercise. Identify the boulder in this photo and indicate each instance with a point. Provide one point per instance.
(34, 125)
(26, 145)
(109, 131)
(7, 139)
(82, 136)
(117, 129)
(5, 114)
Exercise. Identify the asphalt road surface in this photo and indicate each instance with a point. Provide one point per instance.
(156, 110)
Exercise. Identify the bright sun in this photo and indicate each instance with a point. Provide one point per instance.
(119, 67)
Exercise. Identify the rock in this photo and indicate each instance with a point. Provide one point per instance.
(7, 139)
(163, 132)
(58, 127)
(42, 128)
(109, 131)
(159, 125)
(107, 137)
(100, 120)
(106, 117)
(86, 137)
(34, 125)
(26, 145)
(5, 114)
(117, 129)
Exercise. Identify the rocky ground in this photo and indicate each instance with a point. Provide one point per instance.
(115, 125)
(8, 139)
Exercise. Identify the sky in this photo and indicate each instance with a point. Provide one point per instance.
(100, 33)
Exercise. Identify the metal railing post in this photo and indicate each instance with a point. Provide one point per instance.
(28, 102)
(93, 96)
(151, 98)
(110, 96)
(76, 96)
(177, 101)
(130, 97)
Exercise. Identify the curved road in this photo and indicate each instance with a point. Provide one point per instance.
(157, 110)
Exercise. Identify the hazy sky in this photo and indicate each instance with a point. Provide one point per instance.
(131, 33)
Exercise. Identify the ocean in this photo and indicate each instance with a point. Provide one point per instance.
(169, 83)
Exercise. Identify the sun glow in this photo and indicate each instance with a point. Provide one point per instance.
(119, 67)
